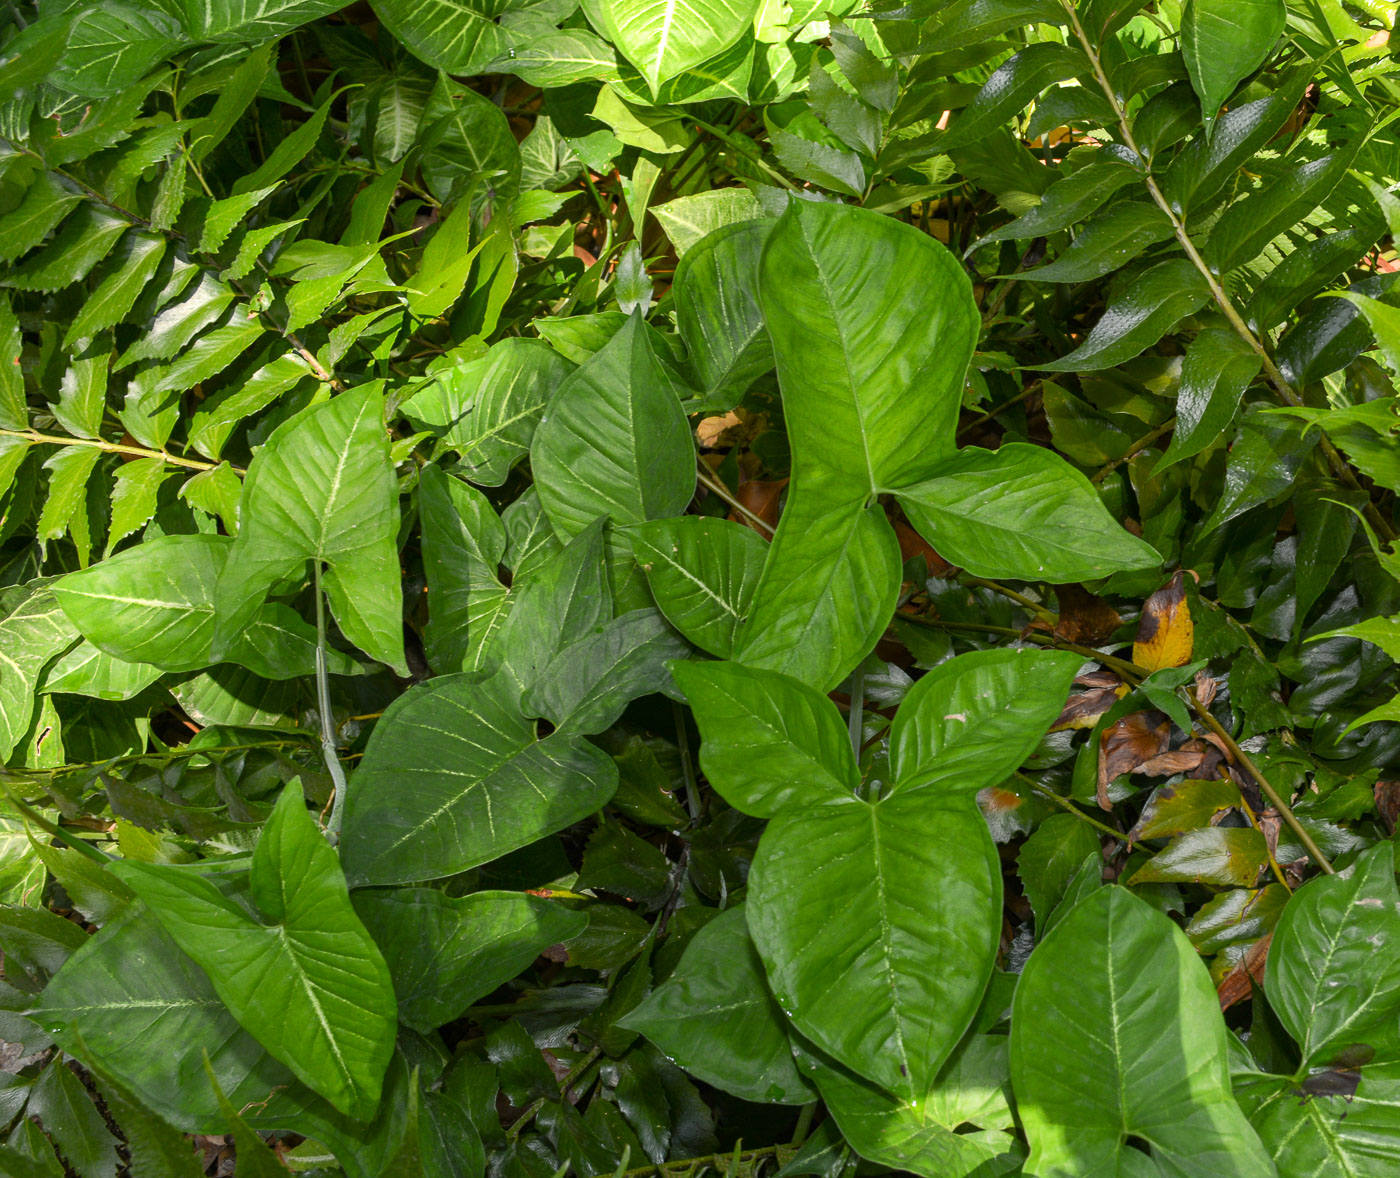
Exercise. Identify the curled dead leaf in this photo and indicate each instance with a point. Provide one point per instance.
(1084, 618)
(1239, 983)
(1128, 743)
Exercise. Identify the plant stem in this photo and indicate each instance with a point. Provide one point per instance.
(1024, 395)
(1142, 443)
(1273, 863)
(1069, 807)
(35, 438)
(1286, 392)
(691, 1165)
(80, 845)
(1134, 674)
(856, 719)
(323, 705)
(692, 788)
(713, 484)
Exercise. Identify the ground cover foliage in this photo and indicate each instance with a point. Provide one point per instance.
(666, 586)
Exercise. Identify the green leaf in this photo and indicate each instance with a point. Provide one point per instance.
(60, 1101)
(46, 202)
(13, 412)
(872, 375)
(715, 1017)
(1138, 317)
(289, 150)
(1217, 855)
(453, 777)
(586, 686)
(444, 953)
(918, 1134)
(1021, 511)
(770, 743)
(614, 440)
(972, 720)
(488, 408)
(1113, 238)
(212, 424)
(717, 311)
(1327, 979)
(891, 890)
(1089, 1062)
(665, 38)
(87, 237)
(1207, 164)
(1014, 85)
(463, 543)
(240, 21)
(148, 1015)
(1352, 1132)
(459, 36)
(156, 1148)
(233, 99)
(1250, 224)
(1265, 457)
(1224, 43)
(1049, 859)
(254, 1154)
(1188, 805)
(1215, 372)
(689, 220)
(65, 508)
(322, 488)
(1067, 201)
(703, 573)
(828, 588)
(302, 975)
(117, 293)
(137, 485)
(33, 629)
(223, 216)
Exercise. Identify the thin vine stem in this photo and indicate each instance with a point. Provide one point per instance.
(1070, 808)
(1135, 674)
(323, 705)
(1340, 468)
(713, 484)
(35, 438)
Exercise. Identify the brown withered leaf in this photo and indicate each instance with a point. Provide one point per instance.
(1195, 757)
(1083, 710)
(1166, 634)
(911, 544)
(1084, 618)
(1239, 983)
(1388, 802)
(1128, 743)
(761, 498)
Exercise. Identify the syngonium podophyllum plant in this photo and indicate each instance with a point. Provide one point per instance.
(374, 386)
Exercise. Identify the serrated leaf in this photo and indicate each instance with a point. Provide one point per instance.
(117, 294)
(46, 202)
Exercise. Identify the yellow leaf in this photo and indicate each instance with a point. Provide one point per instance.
(1165, 631)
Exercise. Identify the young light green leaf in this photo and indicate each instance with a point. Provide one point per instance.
(716, 1017)
(1091, 1067)
(971, 721)
(770, 742)
(303, 976)
(664, 38)
(322, 488)
(1021, 511)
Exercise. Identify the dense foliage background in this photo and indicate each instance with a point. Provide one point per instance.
(767, 586)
